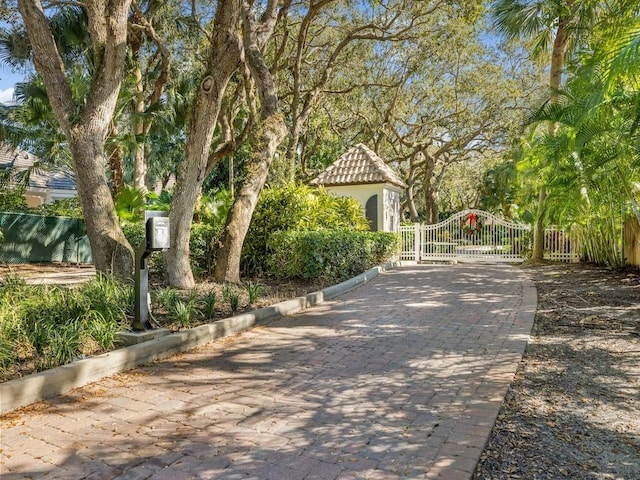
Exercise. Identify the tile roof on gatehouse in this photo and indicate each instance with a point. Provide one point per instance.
(358, 166)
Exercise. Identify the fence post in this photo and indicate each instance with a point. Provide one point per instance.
(416, 241)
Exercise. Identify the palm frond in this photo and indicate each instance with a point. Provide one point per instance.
(15, 49)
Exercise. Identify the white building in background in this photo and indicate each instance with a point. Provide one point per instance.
(361, 174)
(45, 185)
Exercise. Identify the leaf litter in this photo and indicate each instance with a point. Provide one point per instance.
(573, 410)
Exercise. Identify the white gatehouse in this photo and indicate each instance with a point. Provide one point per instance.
(476, 235)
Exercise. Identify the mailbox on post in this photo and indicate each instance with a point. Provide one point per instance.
(157, 238)
(157, 233)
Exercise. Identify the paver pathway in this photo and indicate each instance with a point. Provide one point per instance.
(400, 378)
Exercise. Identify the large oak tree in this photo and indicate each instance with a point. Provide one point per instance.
(223, 59)
(270, 131)
(86, 123)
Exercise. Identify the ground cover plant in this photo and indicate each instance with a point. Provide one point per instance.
(43, 326)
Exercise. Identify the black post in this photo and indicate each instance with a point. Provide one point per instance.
(141, 314)
(156, 225)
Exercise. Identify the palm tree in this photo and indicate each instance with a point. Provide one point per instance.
(600, 131)
(620, 44)
(549, 27)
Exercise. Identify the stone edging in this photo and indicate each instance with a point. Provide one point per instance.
(39, 386)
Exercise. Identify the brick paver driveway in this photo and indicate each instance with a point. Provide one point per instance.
(400, 378)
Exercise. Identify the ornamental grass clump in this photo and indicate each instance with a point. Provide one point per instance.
(167, 297)
(209, 304)
(183, 312)
(254, 290)
(44, 326)
(231, 295)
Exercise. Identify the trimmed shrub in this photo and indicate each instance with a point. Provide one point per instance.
(204, 239)
(134, 233)
(296, 207)
(328, 256)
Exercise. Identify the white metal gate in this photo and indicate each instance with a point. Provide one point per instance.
(474, 235)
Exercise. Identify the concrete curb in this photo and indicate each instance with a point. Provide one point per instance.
(34, 388)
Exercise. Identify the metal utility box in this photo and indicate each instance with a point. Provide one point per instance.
(157, 232)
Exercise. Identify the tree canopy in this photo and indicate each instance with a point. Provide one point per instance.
(241, 93)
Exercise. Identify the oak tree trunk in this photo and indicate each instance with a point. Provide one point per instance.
(228, 257)
(223, 60)
(110, 250)
(271, 131)
(411, 205)
(86, 125)
(430, 193)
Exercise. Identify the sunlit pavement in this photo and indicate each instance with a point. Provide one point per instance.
(400, 378)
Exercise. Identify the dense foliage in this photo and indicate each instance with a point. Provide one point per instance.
(296, 207)
(202, 245)
(13, 200)
(328, 256)
(580, 147)
(44, 326)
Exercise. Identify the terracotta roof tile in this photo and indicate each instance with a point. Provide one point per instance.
(358, 166)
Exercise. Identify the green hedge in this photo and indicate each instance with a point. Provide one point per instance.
(328, 256)
(300, 208)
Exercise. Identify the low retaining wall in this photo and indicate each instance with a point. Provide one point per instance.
(39, 386)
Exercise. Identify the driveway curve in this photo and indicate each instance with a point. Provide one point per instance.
(401, 378)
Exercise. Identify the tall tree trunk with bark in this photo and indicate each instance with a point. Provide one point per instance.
(85, 126)
(411, 203)
(223, 60)
(140, 154)
(538, 227)
(430, 193)
(136, 40)
(271, 131)
(116, 162)
(110, 250)
(143, 101)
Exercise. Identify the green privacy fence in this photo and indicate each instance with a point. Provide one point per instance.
(34, 238)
